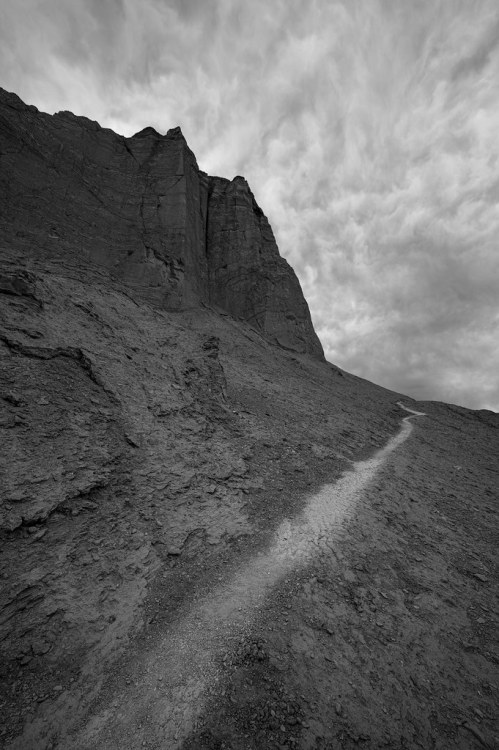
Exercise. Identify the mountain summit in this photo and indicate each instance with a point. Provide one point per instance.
(141, 210)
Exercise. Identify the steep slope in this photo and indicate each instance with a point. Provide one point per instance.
(140, 209)
(153, 455)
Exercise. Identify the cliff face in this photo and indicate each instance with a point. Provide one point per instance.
(140, 210)
(247, 276)
(161, 463)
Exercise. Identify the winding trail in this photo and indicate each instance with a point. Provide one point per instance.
(163, 707)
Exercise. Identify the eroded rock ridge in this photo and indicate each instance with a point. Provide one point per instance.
(140, 210)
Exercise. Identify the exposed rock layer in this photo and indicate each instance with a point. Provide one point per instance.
(141, 209)
(147, 454)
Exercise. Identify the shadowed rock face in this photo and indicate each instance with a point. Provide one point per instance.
(247, 276)
(139, 209)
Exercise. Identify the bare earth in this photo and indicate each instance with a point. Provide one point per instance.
(258, 550)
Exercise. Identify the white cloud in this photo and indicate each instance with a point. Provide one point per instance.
(367, 130)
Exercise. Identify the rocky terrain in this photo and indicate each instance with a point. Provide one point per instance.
(211, 537)
(76, 197)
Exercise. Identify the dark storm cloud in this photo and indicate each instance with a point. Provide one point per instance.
(366, 128)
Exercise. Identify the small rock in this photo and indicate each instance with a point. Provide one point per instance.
(38, 535)
(13, 398)
(338, 708)
(40, 647)
(481, 577)
(132, 441)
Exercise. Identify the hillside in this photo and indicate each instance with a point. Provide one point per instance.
(211, 537)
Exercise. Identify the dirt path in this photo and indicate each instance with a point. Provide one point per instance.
(168, 695)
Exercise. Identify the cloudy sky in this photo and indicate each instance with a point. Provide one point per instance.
(367, 129)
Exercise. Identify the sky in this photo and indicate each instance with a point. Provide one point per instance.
(368, 131)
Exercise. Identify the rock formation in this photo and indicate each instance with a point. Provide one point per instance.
(151, 448)
(141, 210)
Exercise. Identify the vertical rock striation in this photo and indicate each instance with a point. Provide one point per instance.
(247, 276)
(140, 210)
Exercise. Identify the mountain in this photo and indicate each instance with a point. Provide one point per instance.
(141, 210)
(210, 536)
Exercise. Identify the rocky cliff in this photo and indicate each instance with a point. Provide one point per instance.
(140, 210)
(158, 461)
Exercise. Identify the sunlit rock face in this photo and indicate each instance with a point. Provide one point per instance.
(140, 211)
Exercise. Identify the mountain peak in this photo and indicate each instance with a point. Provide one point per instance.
(141, 208)
(146, 132)
(175, 133)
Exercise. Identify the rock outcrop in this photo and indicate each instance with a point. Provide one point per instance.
(141, 211)
(247, 276)
(157, 456)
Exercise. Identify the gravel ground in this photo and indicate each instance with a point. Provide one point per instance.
(225, 545)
